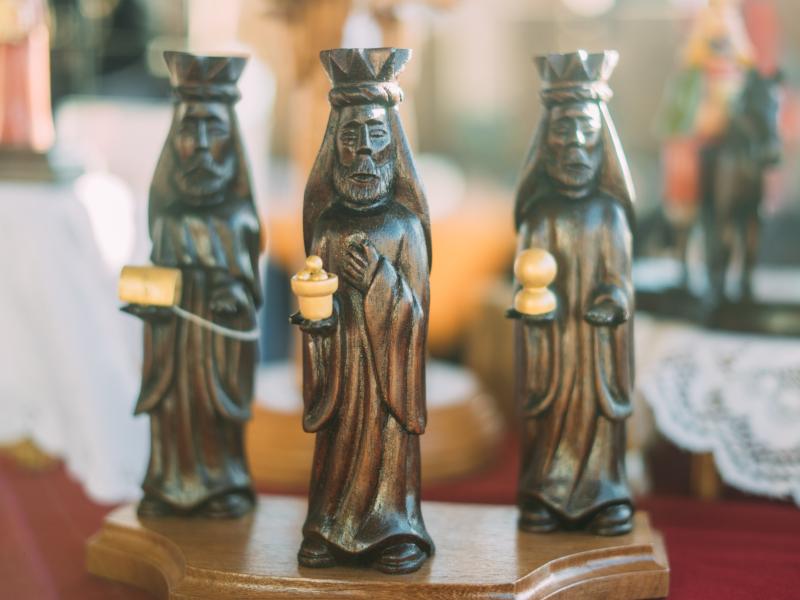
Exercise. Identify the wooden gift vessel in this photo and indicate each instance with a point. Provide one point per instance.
(479, 554)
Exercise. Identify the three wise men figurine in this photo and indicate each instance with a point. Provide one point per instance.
(198, 369)
(574, 364)
(366, 217)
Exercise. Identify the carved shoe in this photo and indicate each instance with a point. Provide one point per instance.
(315, 553)
(150, 507)
(401, 558)
(535, 517)
(227, 506)
(616, 519)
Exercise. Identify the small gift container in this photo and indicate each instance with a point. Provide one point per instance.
(314, 289)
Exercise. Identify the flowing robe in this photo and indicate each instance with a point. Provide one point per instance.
(364, 386)
(197, 385)
(575, 379)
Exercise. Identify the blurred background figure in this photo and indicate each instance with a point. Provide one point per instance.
(25, 117)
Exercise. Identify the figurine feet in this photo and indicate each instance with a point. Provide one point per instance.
(535, 517)
(400, 558)
(315, 554)
(227, 506)
(616, 519)
(152, 507)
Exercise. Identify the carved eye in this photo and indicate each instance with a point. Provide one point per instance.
(187, 130)
(348, 137)
(377, 133)
(218, 130)
(561, 128)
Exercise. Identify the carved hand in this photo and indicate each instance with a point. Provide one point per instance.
(151, 314)
(532, 320)
(229, 298)
(361, 261)
(323, 327)
(606, 313)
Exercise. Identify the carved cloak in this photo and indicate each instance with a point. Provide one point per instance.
(364, 385)
(197, 385)
(574, 378)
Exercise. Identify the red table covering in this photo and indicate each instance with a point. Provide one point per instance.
(717, 551)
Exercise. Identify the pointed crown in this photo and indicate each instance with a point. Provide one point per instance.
(348, 66)
(365, 75)
(576, 75)
(209, 78)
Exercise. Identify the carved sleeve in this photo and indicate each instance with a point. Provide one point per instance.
(322, 364)
(613, 341)
(396, 313)
(540, 368)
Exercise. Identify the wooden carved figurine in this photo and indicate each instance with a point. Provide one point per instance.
(200, 355)
(732, 170)
(721, 121)
(366, 217)
(575, 364)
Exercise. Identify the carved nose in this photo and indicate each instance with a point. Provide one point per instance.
(202, 135)
(363, 142)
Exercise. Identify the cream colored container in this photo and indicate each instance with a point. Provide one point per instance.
(151, 286)
(314, 289)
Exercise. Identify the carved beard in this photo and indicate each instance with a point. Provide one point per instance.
(368, 192)
(574, 167)
(201, 179)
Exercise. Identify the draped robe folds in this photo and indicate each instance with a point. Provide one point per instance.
(364, 386)
(197, 385)
(575, 378)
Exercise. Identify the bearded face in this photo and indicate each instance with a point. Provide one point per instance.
(203, 147)
(574, 145)
(365, 165)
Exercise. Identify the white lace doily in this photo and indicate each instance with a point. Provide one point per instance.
(736, 396)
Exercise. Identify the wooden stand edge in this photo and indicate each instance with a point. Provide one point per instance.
(480, 555)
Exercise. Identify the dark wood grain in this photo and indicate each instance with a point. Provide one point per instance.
(197, 384)
(575, 370)
(366, 217)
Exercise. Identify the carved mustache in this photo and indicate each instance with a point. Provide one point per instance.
(363, 167)
(577, 157)
(204, 163)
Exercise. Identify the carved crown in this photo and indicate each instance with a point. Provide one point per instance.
(349, 66)
(576, 68)
(204, 76)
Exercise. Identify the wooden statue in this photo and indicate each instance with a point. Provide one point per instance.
(575, 364)
(721, 121)
(732, 169)
(200, 355)
(366, 217)
(26, 119)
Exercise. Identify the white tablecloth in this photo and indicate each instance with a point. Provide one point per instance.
(69, 364)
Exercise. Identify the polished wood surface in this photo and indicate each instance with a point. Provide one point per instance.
(479, 554)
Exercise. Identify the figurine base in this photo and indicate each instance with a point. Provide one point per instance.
(479, 554)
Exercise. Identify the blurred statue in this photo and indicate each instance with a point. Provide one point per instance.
(26, 118)
(574, 363)
(732, 183)
(366, 217)
(721, 128)
(197, 382)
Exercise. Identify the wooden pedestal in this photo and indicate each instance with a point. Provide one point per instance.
(479, 554)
